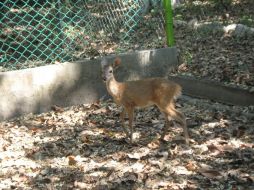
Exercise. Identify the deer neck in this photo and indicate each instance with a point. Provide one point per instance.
(114, 87)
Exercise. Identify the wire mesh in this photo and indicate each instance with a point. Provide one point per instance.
(40, 32)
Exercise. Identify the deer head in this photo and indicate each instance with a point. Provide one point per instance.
(108, 68)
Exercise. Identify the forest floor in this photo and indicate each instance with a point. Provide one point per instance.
(215, 55)
(84, 147)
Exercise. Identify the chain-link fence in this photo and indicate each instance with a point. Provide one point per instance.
(39, 32)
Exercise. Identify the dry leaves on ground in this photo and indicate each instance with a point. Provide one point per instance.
(84, 147)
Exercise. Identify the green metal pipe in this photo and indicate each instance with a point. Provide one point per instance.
(169, 22)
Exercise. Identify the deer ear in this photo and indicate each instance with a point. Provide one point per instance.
(117, 62)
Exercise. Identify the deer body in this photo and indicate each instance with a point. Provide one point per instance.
(143, 93)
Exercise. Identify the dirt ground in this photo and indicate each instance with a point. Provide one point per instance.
(84, 147)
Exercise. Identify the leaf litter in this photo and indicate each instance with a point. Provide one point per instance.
(84, 147)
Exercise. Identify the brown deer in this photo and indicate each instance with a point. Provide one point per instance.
(143, 93)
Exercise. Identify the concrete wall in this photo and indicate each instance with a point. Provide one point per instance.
(214, 91)
(36, 90)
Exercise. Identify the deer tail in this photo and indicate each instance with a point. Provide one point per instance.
(178, 91)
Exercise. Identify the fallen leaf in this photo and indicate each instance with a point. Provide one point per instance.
(181, 170)
(154, 144)
(85, 138)
(210, 173)
(191, 166)
(71, 160)
(139, 154)
(101, 110)
(214, 149)
(57, 108)
(247, 145)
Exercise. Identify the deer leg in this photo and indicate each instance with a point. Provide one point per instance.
(171, 113)
(131, 116)
(168, 123)
(122, 116)
(180, 118)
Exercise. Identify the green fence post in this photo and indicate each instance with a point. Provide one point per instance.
(169, 22)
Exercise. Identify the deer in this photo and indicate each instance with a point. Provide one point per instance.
(143, 93)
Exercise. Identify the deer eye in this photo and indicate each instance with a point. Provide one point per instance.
(110, 71)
